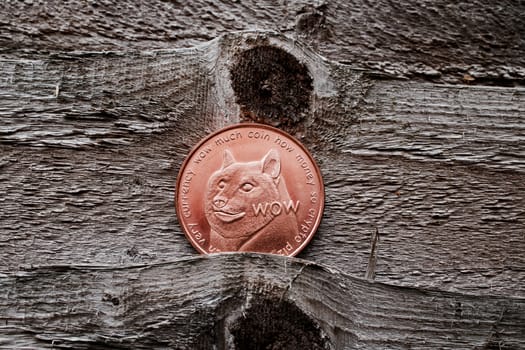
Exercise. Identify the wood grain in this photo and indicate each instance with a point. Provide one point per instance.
(414, 111)
(474, 41)
(438, 170)
(196, 302)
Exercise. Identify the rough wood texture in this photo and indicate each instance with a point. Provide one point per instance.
(91, 142)
(437, 169)
(203, 303)
(464, 41)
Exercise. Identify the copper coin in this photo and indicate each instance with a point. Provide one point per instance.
(249, 187)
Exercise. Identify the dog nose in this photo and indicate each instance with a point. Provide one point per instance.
(219, 202)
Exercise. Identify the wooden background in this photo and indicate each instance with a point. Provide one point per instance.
(414, 111)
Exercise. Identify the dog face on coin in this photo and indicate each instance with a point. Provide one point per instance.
(249, 188)
(245, 200)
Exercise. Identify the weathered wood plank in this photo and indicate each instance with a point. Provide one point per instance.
(90, 143)
(437, 169)
(291, 303)
(474, 41)
(92, 99)
(479, 125)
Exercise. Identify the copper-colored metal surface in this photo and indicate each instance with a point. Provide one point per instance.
(249, 187)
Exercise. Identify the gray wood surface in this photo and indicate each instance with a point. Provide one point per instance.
(198, 303)
(473, 41)
(437, 169)
(417, 124)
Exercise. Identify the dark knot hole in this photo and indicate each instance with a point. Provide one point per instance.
(271, 86)
(276, 325)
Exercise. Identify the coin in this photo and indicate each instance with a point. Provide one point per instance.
(249, 188)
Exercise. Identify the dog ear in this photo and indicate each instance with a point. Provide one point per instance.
(271, 164)
(227, 159)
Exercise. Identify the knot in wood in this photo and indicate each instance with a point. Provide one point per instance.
(271, 86)
(276, 324)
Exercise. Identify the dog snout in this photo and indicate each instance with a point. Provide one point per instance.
(219, 201)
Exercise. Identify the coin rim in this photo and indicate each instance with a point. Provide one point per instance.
(245, 125)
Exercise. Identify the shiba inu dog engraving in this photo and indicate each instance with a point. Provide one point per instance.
(248, 206)
(249, 187)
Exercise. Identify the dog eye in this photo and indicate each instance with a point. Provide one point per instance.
(221, 184)
(247, 187)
